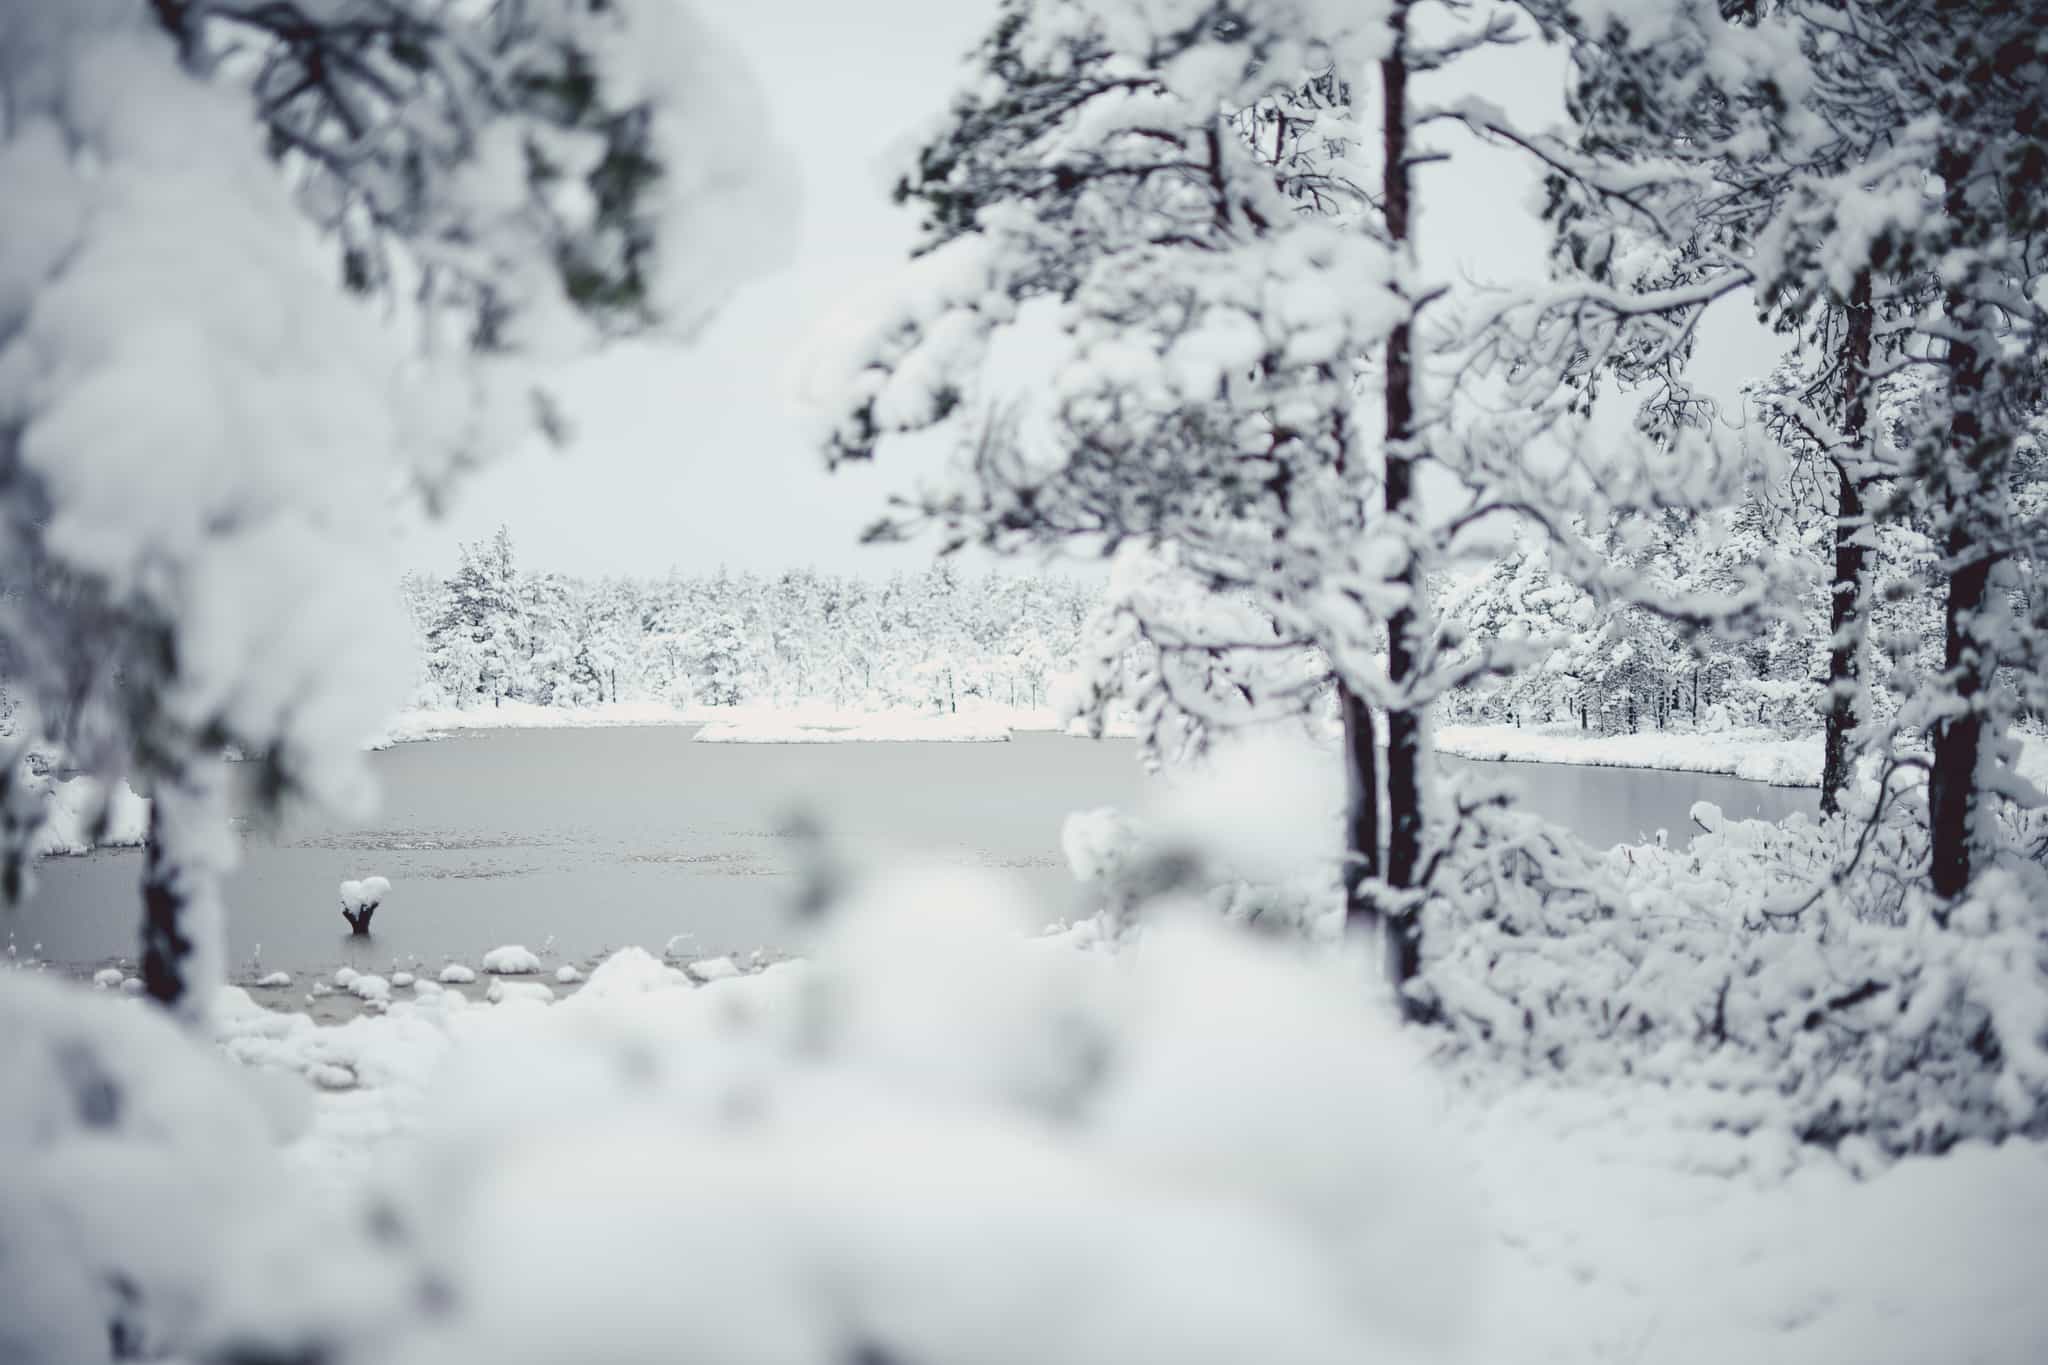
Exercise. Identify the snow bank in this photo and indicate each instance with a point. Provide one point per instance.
(756, 723)
(890, 726)
(1754, 755)
(424, 724)
(513, 959)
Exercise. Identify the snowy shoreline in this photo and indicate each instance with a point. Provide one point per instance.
(807, 723)
(1752, 755)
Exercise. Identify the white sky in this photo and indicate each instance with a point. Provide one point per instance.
(696, 457)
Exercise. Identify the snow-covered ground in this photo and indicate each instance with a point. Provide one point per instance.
(1602, 1226)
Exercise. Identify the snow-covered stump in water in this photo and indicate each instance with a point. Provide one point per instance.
(359, 901)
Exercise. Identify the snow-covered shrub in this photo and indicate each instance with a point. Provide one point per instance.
(128, 1155)
(935, 1140)
(1743, 968)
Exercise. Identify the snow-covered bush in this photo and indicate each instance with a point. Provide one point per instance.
(129, 1154)
(1746, 970)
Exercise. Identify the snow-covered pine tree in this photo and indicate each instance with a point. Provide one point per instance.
(1873, 171)
(203, 424)
(1172, 202)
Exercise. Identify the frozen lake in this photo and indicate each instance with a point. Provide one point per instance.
(598, 838)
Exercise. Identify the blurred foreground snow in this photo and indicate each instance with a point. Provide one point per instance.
(942, 1138)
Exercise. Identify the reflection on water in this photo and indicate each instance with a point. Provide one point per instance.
(599, 838)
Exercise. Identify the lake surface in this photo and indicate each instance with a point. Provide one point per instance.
(593, 839)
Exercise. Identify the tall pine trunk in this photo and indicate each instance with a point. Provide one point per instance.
(1404, 718)
(1852, 552)
(1952, 793)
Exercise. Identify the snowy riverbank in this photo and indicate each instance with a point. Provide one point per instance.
(1754, 755)
(752, 723)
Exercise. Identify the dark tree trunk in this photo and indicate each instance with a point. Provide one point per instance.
(1958, 737)
(1361, 810)
(1404, 719)
(166, 949)
(180, 893)
(1852, 555)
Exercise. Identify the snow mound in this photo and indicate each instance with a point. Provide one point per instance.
(509, 992)
(275, 979)
(714, 969)
(370, 988)
(629, 972)
(403, 980)
(512, 959)
(455, 974)
(567, 975)
(1094, 843)
(107, 978)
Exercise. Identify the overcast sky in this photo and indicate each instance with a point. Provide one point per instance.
(695, 457)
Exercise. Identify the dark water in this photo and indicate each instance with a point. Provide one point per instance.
(599, 838)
